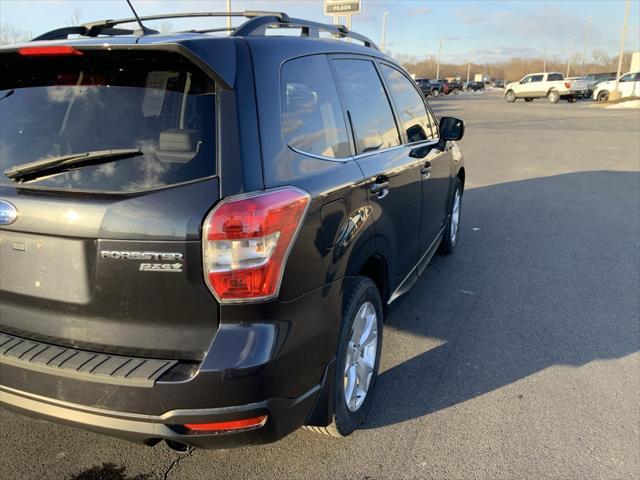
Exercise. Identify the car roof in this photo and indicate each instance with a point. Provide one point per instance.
(215, 54)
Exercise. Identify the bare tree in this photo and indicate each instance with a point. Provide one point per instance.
(166, 27)
(10, 34)
(74, 20)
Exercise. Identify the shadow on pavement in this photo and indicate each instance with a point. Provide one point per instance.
(546, 274)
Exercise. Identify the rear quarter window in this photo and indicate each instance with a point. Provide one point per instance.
(312, 118)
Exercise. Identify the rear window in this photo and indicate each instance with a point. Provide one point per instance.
(554, 77)
(159, 103)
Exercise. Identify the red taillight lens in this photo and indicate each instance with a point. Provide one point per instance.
(567, 84)
(246, 241)
(235, 425)
(48, 51)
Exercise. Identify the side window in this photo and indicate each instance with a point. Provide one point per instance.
(312, 119)
(536, 78)
(554, 76)
(374, 127)
(415, 119)
(526, 79)
(627, 78)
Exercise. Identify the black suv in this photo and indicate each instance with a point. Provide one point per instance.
(200, 235)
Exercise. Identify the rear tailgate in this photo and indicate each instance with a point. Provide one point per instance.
(107, 256)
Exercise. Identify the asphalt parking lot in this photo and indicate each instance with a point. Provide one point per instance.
(517, 357)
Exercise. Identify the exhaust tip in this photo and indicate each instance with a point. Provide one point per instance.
(178, 446)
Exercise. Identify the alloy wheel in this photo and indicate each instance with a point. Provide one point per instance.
(361, 356)
(455, 217)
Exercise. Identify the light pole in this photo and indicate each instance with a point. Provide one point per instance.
(384, 30)
(228, 12)
(544, 61)
(586, 39)
(438, 67)
(573, 39)
(616, 91)
(468, 69)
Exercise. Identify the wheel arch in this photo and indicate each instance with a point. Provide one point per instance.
(375, 268)
(461, 176)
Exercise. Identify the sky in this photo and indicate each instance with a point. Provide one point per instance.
(486, 31)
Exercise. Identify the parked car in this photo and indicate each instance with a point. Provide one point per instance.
(551, 85)
(593, 79)
(629, 86)
(430, 87)
(453, 86)
(204, 251)
(498, 83)
(474, 86)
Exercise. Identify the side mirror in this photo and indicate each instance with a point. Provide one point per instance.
(451, 128)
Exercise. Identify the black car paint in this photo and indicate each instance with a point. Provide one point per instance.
(348, 231)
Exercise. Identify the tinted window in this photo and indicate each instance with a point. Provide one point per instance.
(312, 119)
(371, 114)
(415, 119)
(159, 104)
(536, 78)
(554, 76)
(629, 77)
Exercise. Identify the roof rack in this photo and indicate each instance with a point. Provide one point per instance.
(256, 25)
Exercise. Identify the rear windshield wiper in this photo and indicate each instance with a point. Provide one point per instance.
(62, 163)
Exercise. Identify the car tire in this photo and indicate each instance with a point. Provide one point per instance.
(362, 301)
(587, 94)
(510, 96)
(603, 96)
(435, 93)
(452, 232)
(456, 91)
(553, 96)
(528, 99)
(572, 99)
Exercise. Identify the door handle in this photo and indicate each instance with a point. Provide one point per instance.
(426, 170)
(380, 188)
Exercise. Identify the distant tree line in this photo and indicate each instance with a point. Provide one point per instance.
(517, 67)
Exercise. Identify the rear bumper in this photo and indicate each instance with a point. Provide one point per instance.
(284, 416)
(269, 359)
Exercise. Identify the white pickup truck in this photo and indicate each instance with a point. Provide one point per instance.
(550, 84)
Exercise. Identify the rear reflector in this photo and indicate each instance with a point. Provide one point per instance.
(48, 51)
(235, 425)
(246, 241)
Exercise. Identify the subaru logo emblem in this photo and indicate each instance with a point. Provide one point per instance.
(8, 213)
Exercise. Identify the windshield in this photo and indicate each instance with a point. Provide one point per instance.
(158, 103)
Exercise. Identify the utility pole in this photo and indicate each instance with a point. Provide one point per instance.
(468, 69)
(616, 91)
(573, 39)
(228, 12)
(438, 68)
(384, 30)
(544, 61)
(586, 40)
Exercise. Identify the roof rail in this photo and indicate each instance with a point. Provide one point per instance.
(257, 24)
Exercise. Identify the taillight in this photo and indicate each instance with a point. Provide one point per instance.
(246, 241)
(231, 426)
(48, 51)
(567, 84)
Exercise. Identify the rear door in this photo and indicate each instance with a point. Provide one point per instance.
(107, 256)
(421, 134)
(391, 175)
